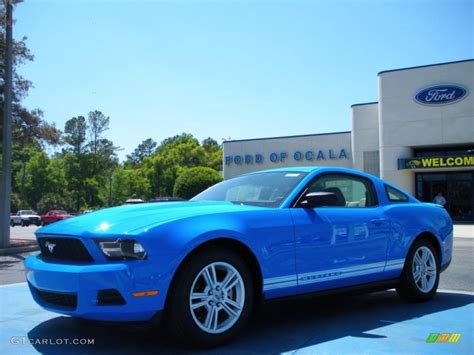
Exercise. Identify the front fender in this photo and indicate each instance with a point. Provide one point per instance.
(268, 234)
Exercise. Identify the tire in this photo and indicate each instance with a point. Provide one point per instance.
(23, 224)
(422, 260)
(12, 224)
(39, 223)
(189, 326)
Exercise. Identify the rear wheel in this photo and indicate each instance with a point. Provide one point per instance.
(12, 223)
(211, 299)
(420, 276)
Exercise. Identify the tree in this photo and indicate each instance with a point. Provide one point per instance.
(75, 134)
(144, 150)
(129, 183)
(29, 127)
(213, 153)
(54, 201)
(98, 124)
(174, 155)
(195, 180)
(36, 178)
(89, 164)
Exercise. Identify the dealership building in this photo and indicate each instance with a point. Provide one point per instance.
(419, 135)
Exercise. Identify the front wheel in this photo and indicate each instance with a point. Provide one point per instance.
(420, 276)
(211, 299)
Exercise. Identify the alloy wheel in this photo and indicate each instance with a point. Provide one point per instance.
(424, 269)
(217, 297)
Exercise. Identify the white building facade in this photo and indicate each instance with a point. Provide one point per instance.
(419, 135)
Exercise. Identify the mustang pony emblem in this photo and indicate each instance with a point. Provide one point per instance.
(50, 246)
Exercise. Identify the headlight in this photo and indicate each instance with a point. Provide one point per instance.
(120, 249)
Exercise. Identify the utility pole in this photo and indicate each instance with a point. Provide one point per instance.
(6, 184)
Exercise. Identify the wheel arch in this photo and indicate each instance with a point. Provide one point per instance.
(430, 237)
(232, 244)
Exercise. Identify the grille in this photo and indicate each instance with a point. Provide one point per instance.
(66, 249)
(67, 300)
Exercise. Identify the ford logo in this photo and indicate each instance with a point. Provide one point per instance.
(441, 95)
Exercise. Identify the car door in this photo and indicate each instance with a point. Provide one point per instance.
(342, 245)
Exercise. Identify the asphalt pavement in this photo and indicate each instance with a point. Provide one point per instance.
(370, 324)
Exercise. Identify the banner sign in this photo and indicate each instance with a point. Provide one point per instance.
(458, 161)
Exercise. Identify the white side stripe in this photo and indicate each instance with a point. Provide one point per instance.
(395, 264)
(332, 274)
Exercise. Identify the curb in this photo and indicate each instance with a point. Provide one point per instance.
(16, 250)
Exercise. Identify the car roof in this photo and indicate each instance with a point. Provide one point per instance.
(311, 169)
(302, 169)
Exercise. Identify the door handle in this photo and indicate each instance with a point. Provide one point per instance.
(377, 221)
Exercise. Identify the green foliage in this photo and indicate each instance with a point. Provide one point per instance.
(144, 150)
(75, 134)
(54, 201)
(129, 183)
(41, 176)
(195, 180)
(174, 155)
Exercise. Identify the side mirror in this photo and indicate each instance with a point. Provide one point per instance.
(319, 199)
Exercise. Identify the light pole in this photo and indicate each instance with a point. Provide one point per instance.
(110, 189)
(5, 191)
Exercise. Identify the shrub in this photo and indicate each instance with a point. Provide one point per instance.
(195, 180)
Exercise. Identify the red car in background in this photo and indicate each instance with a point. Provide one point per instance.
(54, 216)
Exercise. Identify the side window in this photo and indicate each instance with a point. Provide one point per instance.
(351, 191)
(394, 195)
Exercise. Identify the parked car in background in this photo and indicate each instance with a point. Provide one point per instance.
(166, 199)
(24, 218)
(133, 201)
(203, 265)
(54, 216)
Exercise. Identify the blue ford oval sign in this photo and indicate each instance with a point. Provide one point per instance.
(441, 94)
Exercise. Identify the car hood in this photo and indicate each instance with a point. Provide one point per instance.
(28, 215)
(125, 219)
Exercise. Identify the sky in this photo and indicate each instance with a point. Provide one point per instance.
(227, 69)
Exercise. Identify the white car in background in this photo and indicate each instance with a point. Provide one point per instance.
(24, 218)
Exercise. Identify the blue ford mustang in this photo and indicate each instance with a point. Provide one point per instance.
(203, 265)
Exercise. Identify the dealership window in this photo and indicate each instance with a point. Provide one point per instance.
(457, 187)
(351, 191)
(372, 162)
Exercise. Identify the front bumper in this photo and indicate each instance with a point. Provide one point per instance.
(32, 220)
(82, 283)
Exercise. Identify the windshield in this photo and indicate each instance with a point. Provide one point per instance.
(260, 189)
(26, 212)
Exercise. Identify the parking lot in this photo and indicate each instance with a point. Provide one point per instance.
(374, 323)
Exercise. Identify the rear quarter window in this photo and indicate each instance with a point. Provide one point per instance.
(395, 195)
